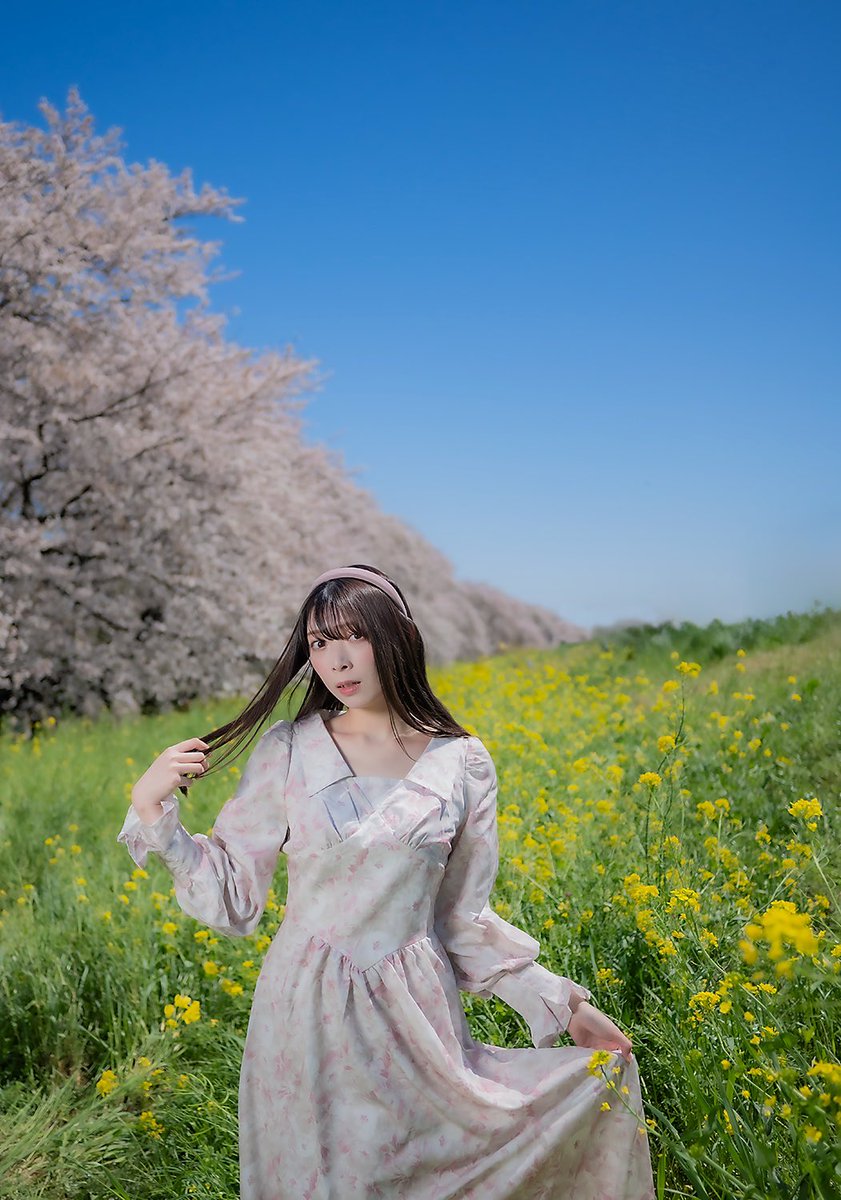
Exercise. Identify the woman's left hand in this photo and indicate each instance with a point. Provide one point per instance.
(588, 1026)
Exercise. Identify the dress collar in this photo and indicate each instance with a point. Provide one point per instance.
(323, 762)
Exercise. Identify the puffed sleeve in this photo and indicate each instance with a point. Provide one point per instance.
(223, 880)
(489, 955)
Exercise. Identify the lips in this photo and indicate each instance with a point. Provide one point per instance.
(348, 686)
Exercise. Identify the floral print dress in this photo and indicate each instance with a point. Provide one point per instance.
(360, 1078)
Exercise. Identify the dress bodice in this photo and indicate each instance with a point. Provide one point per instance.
(347, 807)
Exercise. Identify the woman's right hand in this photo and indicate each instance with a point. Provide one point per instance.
(589, 1026)
(167, 773)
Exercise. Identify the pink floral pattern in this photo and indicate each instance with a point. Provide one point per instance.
(360, 1077)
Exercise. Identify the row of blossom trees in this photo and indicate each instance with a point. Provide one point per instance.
(161, 516)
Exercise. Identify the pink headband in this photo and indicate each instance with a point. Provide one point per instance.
(369, 577)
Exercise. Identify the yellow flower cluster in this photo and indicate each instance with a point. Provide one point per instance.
(598, 1059)
(183, 1008)
(638, 891)
(150, 1124)
(107, 1082)
(784, 929)
(808, 811)
(683, 899)
(701, 1004)
(831, 1072)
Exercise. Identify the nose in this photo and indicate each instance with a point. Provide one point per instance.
(341, 657)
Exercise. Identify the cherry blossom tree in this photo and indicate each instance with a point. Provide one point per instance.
(161, 515)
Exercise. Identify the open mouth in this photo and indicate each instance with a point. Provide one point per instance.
(348, 687)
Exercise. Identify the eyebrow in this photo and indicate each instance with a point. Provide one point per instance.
(316, 633)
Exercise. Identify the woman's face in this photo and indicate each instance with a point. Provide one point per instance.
(346, 667)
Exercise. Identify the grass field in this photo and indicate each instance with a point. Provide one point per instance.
(668, 819)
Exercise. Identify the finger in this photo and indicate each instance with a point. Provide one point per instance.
(194, 768)
(624, 1048)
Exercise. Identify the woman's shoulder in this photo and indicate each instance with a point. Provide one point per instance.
(478, 763)
(279, 731)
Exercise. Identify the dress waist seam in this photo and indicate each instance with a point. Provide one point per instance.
(318, 937)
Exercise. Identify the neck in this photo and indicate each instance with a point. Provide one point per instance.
(373, 721)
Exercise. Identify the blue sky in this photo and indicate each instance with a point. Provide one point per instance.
(570, 270)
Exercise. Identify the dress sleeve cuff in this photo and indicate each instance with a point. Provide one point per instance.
(546, 1001)
(166, 836)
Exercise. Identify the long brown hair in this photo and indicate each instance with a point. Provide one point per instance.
(336, 609)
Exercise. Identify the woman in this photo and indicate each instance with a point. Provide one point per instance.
(360, 1078)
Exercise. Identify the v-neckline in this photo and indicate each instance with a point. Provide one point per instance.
(353, 774)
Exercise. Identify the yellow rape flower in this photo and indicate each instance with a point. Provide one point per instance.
(598, 1059)
(701, 1004)
(192, 1013)
(783, 928)
(150, 1123)
(807, 810)
(831, 1072)
(684, 898)
(607, 977)
(107, 1082)
(638, 891)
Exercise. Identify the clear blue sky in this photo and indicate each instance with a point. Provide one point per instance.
(571, 270)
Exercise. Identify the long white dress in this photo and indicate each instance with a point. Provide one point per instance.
(360, 1078)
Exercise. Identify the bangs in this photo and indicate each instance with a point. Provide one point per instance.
(338, 615)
